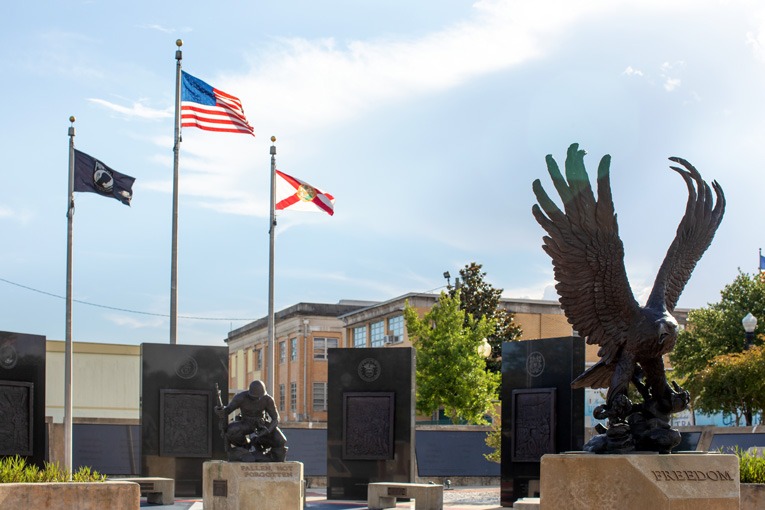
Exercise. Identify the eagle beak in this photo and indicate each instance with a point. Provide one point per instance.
(663, 333)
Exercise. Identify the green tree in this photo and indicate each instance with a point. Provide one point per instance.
(450, 370)
(480, 299)
(732, 383)
(716, 331)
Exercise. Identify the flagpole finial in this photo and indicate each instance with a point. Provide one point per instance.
(71, 119)
(273, 139)
(179, 42)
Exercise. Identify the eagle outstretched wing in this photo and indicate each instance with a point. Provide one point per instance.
(694, 235)
(587, 254)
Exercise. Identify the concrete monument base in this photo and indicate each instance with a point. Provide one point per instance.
(68, 495)
(639, 481)
(252, 485)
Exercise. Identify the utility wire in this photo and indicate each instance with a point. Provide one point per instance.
(123, 309)
(126, 310)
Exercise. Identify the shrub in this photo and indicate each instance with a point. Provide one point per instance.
(751, 466)
(494, 437)
(15, 470)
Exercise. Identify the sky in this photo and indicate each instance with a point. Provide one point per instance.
(426, 120)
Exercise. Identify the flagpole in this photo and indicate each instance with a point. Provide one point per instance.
(271, 233)
(68, 334)
(176, 155)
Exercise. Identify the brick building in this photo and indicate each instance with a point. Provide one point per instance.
(304, 332)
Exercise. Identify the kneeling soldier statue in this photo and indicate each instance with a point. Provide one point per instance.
(254, 435)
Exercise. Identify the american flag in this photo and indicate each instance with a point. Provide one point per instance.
(208, 108)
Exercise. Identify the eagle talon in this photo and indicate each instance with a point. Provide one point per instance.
(678, 399)
(620, 408)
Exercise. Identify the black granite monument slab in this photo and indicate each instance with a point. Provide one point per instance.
(308, 446)
(110, 449)
(177, 399)
(540, 412)
(453, 453)
(22, 397)
(370, 426)
(729, 443)
(689, 442)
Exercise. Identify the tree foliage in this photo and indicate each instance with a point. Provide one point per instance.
(704, 350)
(494, 437)
(480, 299)
(733, 384)
(450, 370)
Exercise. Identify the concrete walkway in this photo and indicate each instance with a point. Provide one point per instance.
(457, 498)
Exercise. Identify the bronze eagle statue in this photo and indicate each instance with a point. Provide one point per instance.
(588, 260)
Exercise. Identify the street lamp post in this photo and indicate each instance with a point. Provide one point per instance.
(750, 323)
(484, 349)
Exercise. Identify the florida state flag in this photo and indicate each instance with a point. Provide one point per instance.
(301, 196)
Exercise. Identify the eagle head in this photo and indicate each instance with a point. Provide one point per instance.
(666, 332)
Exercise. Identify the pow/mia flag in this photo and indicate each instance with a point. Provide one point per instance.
(94, 176)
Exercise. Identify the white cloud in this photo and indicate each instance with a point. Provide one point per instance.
(134, 323)
(299, 85)
(756, 39)
(670, 74)
(164, 29)
(60, 54)
(316, 82)
(544, 289)
(158, 28)
(137, 110)
(630, 71)
(22, 216)
(671, 84)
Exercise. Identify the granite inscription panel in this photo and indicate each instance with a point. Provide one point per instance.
(186, 422)
(533, 424)
(368, 425)
(16, 399)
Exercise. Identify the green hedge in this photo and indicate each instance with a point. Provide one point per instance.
(15, 470)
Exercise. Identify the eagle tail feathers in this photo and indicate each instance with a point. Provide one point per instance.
(597, 376)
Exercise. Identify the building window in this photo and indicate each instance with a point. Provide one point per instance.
(281, 397)
(319, 396)
(293, 396)
(376, 333)
(396, 326)
(293, 349)
(321, 347)
(259, 359)
(282, 352)
(360, 336)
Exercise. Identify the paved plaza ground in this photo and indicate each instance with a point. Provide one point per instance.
(457, 498)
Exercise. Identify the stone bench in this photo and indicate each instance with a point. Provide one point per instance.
(526, 504)
(158, 491)
(426, 496)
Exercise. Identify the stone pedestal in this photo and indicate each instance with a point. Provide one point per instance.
(252, 485)
(639, 481)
